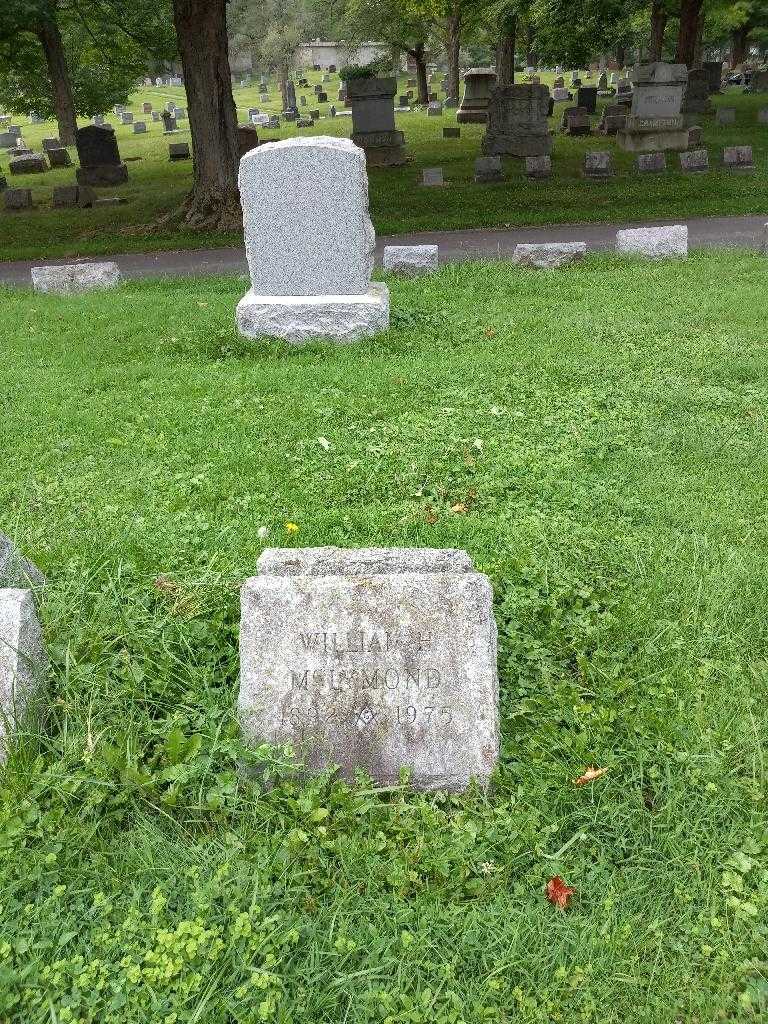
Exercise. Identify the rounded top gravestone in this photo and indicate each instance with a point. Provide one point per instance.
(96, 145)
(305, 216)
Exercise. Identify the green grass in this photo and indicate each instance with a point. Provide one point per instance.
(605, 427)
(398, 202)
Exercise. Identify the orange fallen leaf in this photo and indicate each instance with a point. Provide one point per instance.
(489, 332)
(558, 892)
(589, 776)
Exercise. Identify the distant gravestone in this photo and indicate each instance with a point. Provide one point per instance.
(613, 119)
(598, 165)
(432, 177)
(17, 198)
(517, 121)
(169, 123)
(576, 121)
(587, 97)
(50, 144)
(538, 167)
(451, 132)
(726, 115)
(146, 108)
(68, 196)
(139, 127)
(31, 163)
(488, 169)
(738, 158)
(651, 163)
(478, 83)
(309, 242)
(126, 117)
(655, 121)
(560, 95)
(376, 659)
(247, 138)
(99, 157)
(435, 109)
(59, 157)
(373, 121)
(178, 151)
(696, 161)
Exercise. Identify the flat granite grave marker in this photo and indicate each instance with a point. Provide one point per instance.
(538, 167)
(75, 278)
(17, 198)
(373, 659)
(696, 161)
(651, 163)
(654, 242)
(411, 260)
(725, 115)
(548, 255)
(738, 158)
(309, 242)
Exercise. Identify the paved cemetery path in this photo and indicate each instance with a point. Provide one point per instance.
(480, 243)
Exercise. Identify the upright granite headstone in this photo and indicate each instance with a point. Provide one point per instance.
(517, 121)
(655, 121)
(99, 157)
(478, 83)
(586, 97)
(696, 98)
(309, 242)
(373, 659)
(714, 73)
(373, 121)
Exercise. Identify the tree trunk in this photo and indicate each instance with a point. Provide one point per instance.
(530, 57)
(739, 45)
(698, 50)
(685, 52)
(452, 49)
(420, 59)
(282, 84)
(658, 27)
(621, 55)
(505, 51)
(201, 30)
(61, 86)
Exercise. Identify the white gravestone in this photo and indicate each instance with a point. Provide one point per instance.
(74, 278)
(309, 242)
(373, 659)
(654, 242)
(22, 659)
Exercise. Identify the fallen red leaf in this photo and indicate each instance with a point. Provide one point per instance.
(558, 892)
(590, 775)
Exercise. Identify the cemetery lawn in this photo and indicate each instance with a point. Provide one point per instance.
(398, 201)
(595, 438)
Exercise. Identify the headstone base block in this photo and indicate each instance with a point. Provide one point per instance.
(302, 318)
